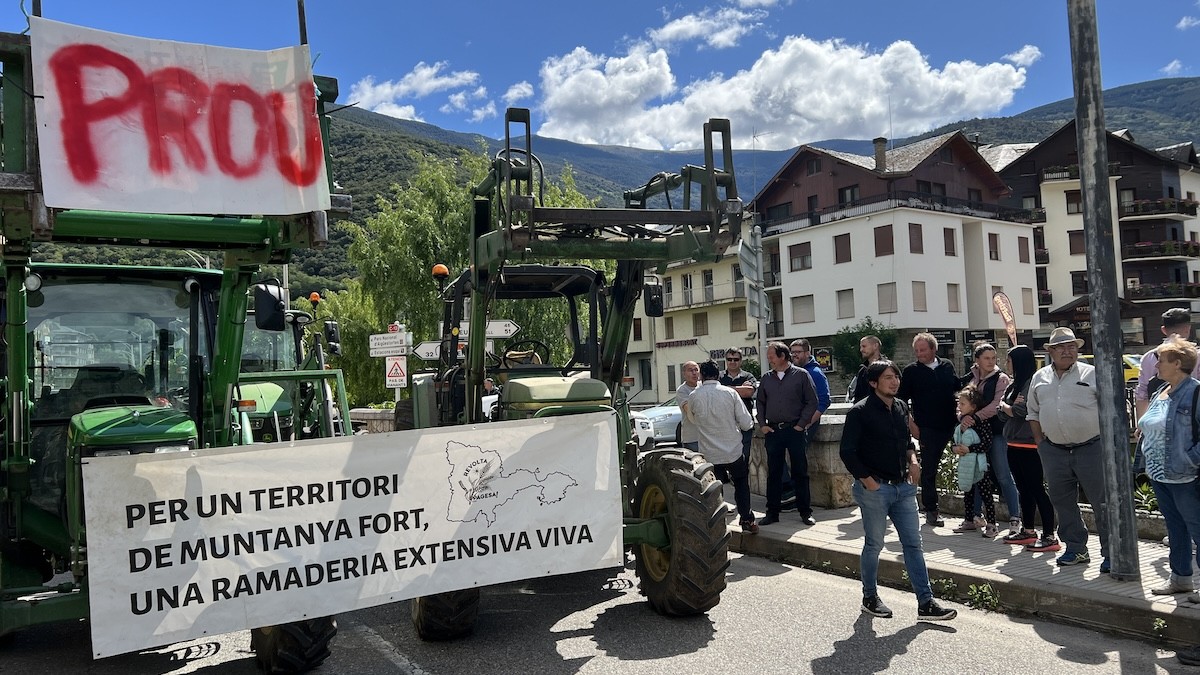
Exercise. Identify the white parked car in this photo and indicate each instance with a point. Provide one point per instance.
(643, 431)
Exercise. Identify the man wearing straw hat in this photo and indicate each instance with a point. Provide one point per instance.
(1064, 417)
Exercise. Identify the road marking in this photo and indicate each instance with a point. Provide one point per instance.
(389, 651)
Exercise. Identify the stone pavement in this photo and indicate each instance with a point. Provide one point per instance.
(1023, 582)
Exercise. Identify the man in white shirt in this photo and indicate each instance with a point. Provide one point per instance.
(691, 380)
(720, 417)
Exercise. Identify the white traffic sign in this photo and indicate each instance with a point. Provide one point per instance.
(396, 372)
(430, 350)
(502, 328)
(496, 328)
(388, 344)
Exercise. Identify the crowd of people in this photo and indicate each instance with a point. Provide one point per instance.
(1030, 434)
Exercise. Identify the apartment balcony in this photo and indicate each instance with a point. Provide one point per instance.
(1071, 172)
(1161, 250)
(772, 278)
(703, 296)
(1151, 209)
(1037, 215)
(1045, 298)
(1164, 291)
(774, 329)
(1041, 256)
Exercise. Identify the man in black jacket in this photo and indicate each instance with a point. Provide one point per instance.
(871, 348)
(787, 401)
(878, 451)
(929, 385)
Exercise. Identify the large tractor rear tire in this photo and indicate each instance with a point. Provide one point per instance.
(445, 616)
(688, 576)
(293, 647)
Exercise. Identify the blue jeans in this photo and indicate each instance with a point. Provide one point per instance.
(898, 502)
(1180, 506)
(784, 445)
(998, 465)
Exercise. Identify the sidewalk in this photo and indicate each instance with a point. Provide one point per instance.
(1023, 582)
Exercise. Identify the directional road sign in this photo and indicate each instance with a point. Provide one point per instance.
(496, 328)
(388, 344)
(396, 372)
(430, 350)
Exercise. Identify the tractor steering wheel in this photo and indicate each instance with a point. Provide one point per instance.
(537, 346)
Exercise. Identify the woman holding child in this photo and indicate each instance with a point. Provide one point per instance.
(993, 382)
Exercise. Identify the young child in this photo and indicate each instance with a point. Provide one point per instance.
(970, 400)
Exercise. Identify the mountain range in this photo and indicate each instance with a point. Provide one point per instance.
(371, 152)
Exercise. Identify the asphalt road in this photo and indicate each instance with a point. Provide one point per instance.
(773, 618)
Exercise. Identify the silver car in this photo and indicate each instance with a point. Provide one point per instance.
(666, 419)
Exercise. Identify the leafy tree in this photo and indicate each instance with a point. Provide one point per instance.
(845, 343)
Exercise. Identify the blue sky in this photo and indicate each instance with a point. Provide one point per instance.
(648, 74)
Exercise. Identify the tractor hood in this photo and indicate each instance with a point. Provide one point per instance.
(127, 426)
(270, 397)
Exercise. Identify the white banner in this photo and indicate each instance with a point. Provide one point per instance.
(181, 546)
(151, 126)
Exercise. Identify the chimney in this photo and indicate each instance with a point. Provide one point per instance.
(880, 154)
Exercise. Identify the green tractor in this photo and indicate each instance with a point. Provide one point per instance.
(673, 510)
(104, 360)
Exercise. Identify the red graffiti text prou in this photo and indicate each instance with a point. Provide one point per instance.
(171, 101)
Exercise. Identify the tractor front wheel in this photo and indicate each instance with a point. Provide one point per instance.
(445, 616)
(293, 647)
(686, 577)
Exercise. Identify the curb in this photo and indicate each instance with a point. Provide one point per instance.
(1143, 619)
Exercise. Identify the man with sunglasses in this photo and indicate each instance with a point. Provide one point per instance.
(745, 385)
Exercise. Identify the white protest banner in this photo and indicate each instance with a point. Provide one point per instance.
(181, 546)
(151, 126)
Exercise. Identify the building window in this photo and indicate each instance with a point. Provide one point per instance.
(946, 154)
(779, 211)
(812, 203)
(1075, 242)
(995, 290)
(952, 302)
(916, 238)
(845, 303)
(884, 245)
(975, 195)
(737, 319)
(739, 283)
(671, 386)
(669, 327)
(948, 238)
(813, 166)
(1126, 196)
(800, 256)
(686, 283)
(700, 323)
(637, 329)
(841, 248)
(1029, 203)
(668, 291)
(847, 195)
(647, 373)
(1023, 249)
(803, 310)
(919, 302)
(706, 277)
(1079, 283)
(993, 246)
(1027, 301)
(886, 294)
(1074, 201)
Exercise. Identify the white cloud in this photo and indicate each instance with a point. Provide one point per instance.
(1188, 22)
(404, 112)
(1173, 68)
(423, 80)
(756, 3)
(720, 29)
(486, 111)
(518, 92)
(1025, 56)
(803, 90)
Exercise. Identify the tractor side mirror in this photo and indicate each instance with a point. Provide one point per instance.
(333, 338)
(270, 309)
(652, 299)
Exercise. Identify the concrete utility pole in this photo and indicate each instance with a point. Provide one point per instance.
(1092, 145)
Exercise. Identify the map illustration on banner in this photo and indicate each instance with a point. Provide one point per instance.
(152, 126)
(480, 487)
